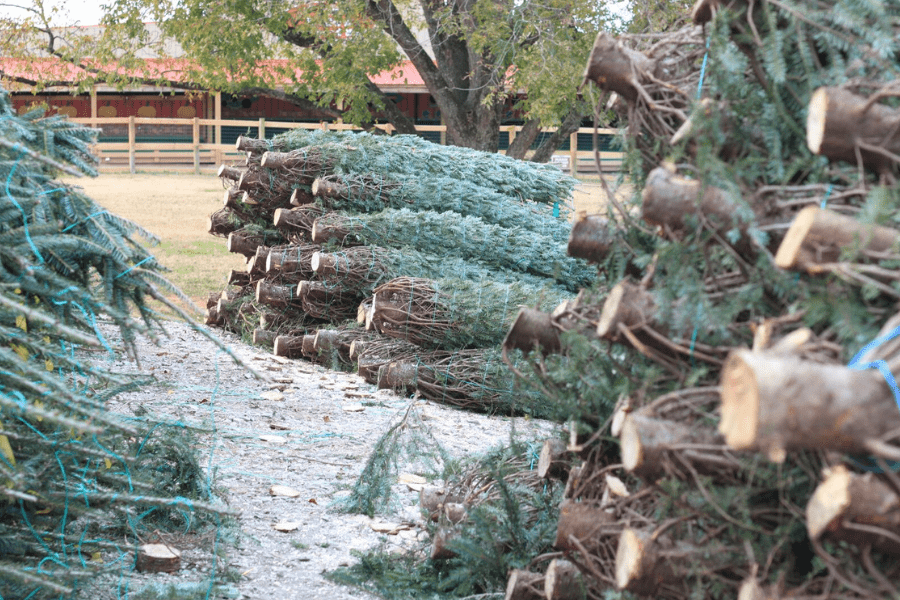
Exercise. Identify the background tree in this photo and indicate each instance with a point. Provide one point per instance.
(475, 56)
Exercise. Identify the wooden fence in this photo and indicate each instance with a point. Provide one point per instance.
(197, 143)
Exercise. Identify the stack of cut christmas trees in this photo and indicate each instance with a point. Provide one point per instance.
(752, 339)
(403, 259)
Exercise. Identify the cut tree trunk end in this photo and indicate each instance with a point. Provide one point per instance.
(859, 509)
(555, 460)
(261, 337)
(275, 295)
(668, 199)
(563, 581)
(524, 585)
(158, 558)
(654, 447)
(847, 127)
(648, 563)
(289, 346)
(818, 236)
(627, 304)
(231, 173)
(322, 188)
(615, 68)
(398, 376)
(591, 238)
(440, 544)
(242, 242)
(779, 403)
(533, 330)
(253, 145)
(586, 522)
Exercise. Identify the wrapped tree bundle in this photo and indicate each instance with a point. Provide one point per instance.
(451, 313)
(449, 233)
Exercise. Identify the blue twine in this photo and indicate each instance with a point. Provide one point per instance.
(87, 218)
(882, 367)
(556, 209)
(22, 210)
(827, 193)
(134, 266)
(703, 68)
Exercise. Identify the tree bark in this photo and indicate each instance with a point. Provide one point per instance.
(859, 509)
(779, 403)
(563, 581)
(569, 125)
(819, 236)
(667, 199)
(261, 337)
(627, 304)
(615, 68)
(524, 138)
(158, 558)
(652, 448)
(288, 346)
(276, 295)
(555, 460)
(645, 563)
(591, 238)
(847, 127)
(524, 585)
(242, 242)
(586, 522)
(533, 329)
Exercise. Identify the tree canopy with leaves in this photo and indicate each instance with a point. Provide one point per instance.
(478, 58)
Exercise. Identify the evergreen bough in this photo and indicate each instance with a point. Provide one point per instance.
(75, 478)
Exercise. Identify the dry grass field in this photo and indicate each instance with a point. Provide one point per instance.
(175, 207)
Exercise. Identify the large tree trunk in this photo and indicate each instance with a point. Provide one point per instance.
(519, 146)
(569, 125)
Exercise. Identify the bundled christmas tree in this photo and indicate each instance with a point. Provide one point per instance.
(76, 479)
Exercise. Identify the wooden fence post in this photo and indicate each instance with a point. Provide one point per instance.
(196, 137)
(262, 128)
(131, 141)
(573, 153)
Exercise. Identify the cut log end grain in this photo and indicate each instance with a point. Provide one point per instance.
(563, 581)
(612, 67)
(261, 337)
(751, 590)
(857, 508)
(830, 499)
(533, 329)
(844, 126)
(554, 462)
(627, 304)
(524, 585)
(232, 173)
(158, 558)
(591, 238)
(815, 120)
(323, 263)
(630, 555)
(398, 375)
(582, 521)
(440, 544)
(288, 346)
(740, 404)
(308, 346)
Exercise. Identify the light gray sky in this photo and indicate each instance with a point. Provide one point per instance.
(71, 12)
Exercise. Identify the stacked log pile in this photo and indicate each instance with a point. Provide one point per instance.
(750, 334)
(354, 234)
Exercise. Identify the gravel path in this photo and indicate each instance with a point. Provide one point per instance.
(308, 428)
